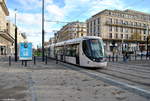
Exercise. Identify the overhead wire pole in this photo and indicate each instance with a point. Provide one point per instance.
(147, 40)
(16, 52)
(43, 31)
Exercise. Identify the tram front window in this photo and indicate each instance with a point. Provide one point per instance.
(93, 49)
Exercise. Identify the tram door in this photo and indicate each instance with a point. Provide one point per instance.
(77, 55)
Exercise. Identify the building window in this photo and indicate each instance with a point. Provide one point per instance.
(110, 35)
(126, 22)
(110, 28)
(144, 37)
(126, 30)
(116, 36)
(121, 29)
(98, 21)
(116, 29)
(98, 28)
(131, 30)
(144, 31)
(135, 24)
(98, 34)
(110, 20)
(127, 36)
(121, 36)
(116, 21)
(121, 21)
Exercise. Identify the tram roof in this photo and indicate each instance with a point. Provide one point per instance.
(76, 40)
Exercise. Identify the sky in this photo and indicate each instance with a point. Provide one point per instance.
(29, 13)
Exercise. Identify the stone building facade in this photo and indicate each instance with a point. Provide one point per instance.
(7, 32)
(71, 30)
(6, 40)
(123, 30)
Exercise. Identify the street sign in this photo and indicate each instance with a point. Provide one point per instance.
(25, 51)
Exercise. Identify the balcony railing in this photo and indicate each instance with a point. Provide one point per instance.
(125, 25)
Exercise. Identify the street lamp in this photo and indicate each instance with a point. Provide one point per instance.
(43, 31)
(15, 36)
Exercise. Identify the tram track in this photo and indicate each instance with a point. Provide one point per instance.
(129, 74)
(135, 68)
(122, 78)
(140, 88)
(130, 71)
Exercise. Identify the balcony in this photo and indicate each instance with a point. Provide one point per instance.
(4, 34)
(125, 25)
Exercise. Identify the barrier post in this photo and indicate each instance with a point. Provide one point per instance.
(46, 59)
(25, 63)
(9, 60)
(34, 60)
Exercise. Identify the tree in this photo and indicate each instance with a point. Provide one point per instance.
(136, 36)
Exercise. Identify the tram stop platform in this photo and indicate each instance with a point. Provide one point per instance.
(55, 82)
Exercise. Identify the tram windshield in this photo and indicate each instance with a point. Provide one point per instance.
(93, 48)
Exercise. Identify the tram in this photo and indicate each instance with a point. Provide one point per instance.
(86, 51)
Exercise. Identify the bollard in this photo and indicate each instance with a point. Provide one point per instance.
(9, 60)
(116, 58)
(56, 60)
(146, 56)
(22, 62)
(130, 57)
(141, 56)
(25, 63)
(34, 60)
(109, 58)
(46, 59)
(113, 58)
(135, 56)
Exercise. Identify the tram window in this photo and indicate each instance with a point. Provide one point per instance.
(71, 50)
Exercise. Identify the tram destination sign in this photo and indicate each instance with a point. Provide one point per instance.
(25, 51)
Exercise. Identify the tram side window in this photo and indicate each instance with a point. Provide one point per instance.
(71, 50)
(59, 50)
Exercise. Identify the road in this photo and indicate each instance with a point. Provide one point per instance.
(56, 82)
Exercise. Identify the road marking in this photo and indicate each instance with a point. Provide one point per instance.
(133, 89)
(31, 87)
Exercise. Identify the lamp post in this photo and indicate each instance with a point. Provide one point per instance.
(16, 38)
(43, 55)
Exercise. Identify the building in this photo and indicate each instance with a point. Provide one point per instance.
(126, 29)
(21, 37)
(6, 40)
(71, 30)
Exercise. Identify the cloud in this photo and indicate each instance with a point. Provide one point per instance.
(72, 10)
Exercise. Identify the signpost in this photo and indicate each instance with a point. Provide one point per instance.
(25, 51)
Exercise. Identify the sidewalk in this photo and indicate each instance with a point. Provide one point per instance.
(54, 82)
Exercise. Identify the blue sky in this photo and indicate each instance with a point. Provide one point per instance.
(29, 13)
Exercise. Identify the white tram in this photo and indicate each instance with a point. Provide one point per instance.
(86, 51)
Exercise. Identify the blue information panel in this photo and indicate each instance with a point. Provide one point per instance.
(25, 51)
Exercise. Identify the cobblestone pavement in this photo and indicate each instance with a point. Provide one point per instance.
(54, 82)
